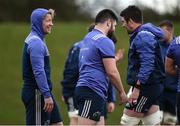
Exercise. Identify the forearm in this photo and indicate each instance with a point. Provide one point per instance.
(116, 80)
(40, 76)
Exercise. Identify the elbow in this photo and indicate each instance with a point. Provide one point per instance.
(111, 74)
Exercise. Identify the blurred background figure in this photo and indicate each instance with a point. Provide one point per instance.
(168, 98)
(172, 67)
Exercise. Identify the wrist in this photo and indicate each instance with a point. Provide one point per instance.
(137, 86)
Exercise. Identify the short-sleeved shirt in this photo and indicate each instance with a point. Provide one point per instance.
(174, 53)
(94, 48)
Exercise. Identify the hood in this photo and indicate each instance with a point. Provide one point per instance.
(153, 29)
(37, 17)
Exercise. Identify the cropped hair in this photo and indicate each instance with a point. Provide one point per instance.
(132, 12)
(104, 15)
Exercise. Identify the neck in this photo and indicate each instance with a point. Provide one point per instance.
(135, 26)
(102, 28)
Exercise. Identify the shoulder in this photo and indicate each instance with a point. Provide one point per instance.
(145, 34)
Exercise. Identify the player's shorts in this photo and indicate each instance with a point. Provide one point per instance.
(149, 95)
(168, 102)
(31, 102)
(72, 108)
(89, 103)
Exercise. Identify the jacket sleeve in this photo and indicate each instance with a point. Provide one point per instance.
(145, 46)
(111, 93)
(36, 50)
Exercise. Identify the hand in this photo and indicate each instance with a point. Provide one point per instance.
(110, 107)
(134, 96)
(62, 98)
(119, 55)
(123, 97)
(48, 104)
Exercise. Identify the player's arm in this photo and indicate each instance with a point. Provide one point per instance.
(114, 76)
(145, 44)
(36, 51)
(170, 68)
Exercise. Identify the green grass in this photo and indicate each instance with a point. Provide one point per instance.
(63, 36)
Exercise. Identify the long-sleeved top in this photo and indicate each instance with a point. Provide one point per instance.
(170, 82)
(35, 60)
(144, 59)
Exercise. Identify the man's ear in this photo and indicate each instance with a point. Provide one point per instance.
(108, 23)
(130, 21)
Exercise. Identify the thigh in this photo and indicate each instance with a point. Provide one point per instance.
(52, 117)
(149, 95)
(170, 104)
(90, 104)
(28, 98)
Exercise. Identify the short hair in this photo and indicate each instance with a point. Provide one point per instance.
(166, 23)
(132, 12)
(51, 12)
(91, 27)
(111, 36)
(104, 15)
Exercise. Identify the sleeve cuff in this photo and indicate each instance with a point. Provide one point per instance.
(47, 94)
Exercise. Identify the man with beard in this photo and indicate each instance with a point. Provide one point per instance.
(145, 69)
(96, 63)
(71, 75)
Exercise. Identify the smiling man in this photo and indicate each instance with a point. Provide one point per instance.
(41, 108)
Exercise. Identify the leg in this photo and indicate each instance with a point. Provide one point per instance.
(169, 119)
(129, 119)
(101, 122)
(90, 105)
(73, 121)
(72, 111)
(153, 117)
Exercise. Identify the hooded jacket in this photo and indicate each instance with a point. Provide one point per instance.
(35, 60)
(144, 58)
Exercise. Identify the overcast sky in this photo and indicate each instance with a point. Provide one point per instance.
(159, 5)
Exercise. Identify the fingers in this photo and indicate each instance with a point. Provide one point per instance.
(48, 104)
(48, 107)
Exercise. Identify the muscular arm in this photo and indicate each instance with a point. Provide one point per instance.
(170, 67)
(114, 76)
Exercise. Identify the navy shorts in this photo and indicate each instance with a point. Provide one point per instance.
(29, 100)
(89, 103)
(149, 95)
(168, 102)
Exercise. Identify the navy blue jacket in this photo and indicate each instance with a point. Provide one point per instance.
(71, 71)
(144, 58)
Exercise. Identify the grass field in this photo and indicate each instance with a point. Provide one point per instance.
(63, 36)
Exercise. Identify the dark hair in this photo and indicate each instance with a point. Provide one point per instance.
(104, 15)
(91, 27)
(111, 36)
(132, 12)
(166, 23)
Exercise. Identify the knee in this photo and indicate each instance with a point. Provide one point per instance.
(152, 119)
(128, 120)
(169, 119)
